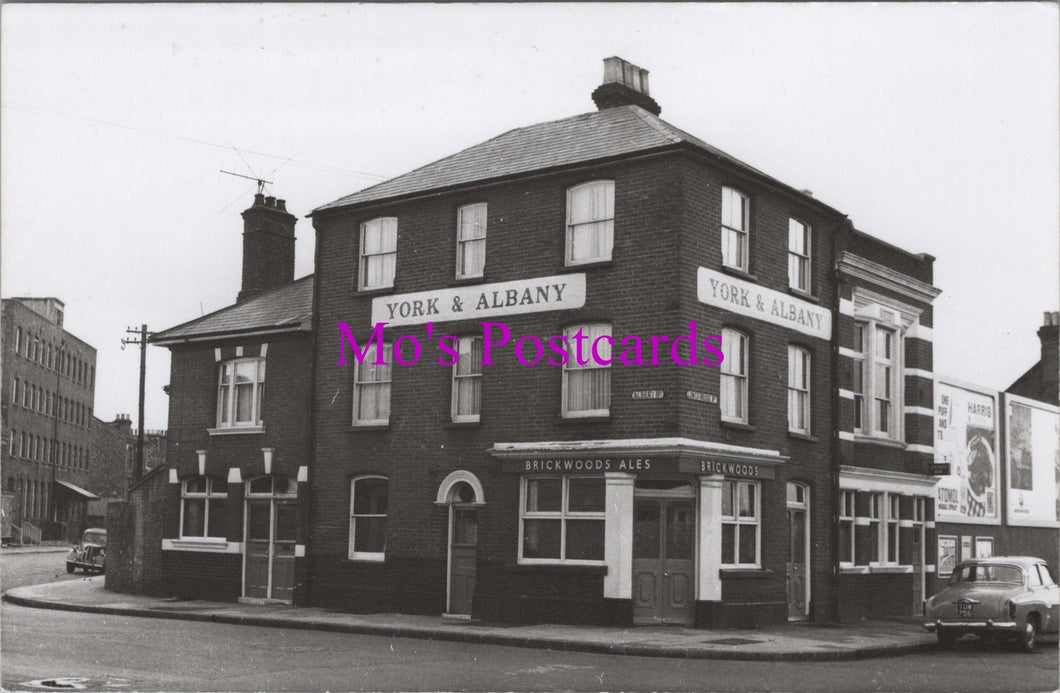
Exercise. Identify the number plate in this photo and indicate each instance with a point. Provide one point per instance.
(964, 610)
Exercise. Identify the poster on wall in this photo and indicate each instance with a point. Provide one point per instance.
(1032, 458)
(984, 547)
(947, 555)
(966, 548)
(966, 447)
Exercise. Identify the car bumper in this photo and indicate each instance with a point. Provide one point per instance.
(85, 566)
(987, 625)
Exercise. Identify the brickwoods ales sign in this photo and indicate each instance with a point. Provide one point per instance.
(738, 296)
(561, 292)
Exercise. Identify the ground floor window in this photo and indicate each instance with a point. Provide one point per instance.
(740, 520)
(562, 520)
(369, 497)
(202, 507)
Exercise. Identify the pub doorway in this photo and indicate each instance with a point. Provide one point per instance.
(664, 526)
(271, 522)
(798, 551)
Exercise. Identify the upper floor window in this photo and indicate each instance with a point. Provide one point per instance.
(798, 389)
(378, 253)
(18, 339)
(240, 392)
(798, 255)
(371, 388)
(562, 520)
(590, 222)
(470, 240)
(740, 538)
(735, 229)
(14, 391)
(202, 507)
(467, 380)
(734, 376)
(368, 513)
(587, 384)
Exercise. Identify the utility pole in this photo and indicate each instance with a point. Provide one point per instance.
(142, 342)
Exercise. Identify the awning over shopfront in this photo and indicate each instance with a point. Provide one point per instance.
(77, 489)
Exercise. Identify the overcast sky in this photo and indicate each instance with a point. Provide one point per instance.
(933, 127)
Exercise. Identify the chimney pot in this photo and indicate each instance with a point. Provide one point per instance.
(270, 201)
(624, 84)
(281, 205)
(259, 199)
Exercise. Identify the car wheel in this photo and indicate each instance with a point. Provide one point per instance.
(70, 567)
(946, 636)
(1028, 636)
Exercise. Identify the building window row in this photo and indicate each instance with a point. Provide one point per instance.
(870, 525)
(55, 358)
(736, 240)
(240, 392)
(734, 382)
(43, 401)
(35, 448)
(586, 382)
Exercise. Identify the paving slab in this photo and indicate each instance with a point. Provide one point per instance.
(785, 642)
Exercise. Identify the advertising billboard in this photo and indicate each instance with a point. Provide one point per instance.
(1032, 458)
(966, 444)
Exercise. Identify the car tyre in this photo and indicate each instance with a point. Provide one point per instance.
(70, 567)
(1028, 636)
(946, 637)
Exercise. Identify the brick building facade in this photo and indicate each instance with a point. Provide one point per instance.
(643, 491)
(46, 400)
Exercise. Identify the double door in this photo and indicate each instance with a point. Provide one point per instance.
(271, 533)
(663, 550)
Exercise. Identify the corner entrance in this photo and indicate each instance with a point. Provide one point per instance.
(271, 522)
(663, 548)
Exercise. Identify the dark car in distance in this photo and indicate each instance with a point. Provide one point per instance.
(90, 554)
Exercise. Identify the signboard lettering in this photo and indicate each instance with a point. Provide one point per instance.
(701, 397)
(647, 394)
(746, 298)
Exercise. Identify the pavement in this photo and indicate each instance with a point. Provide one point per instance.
(47, 547)
(786, 642)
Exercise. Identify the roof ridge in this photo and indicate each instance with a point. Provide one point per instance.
(658, 124)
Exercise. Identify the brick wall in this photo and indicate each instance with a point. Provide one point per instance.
(134, 538)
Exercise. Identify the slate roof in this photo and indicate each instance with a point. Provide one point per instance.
(604, 134)
(288, 307)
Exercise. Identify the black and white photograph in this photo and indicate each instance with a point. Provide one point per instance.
(602, 346)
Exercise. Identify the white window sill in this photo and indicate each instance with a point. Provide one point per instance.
(889, 568)
(879, 440)
(559, 562)
(202, 545)
(367, 558)
(235, 430)
(854, 569)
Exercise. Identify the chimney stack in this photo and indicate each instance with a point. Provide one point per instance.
(624, 84)
(1049, 333)
(268, 246)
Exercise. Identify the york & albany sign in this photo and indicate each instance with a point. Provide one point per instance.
(744, 298)
(561, 292)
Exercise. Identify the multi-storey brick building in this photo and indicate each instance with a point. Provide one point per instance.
(47, 398)
(234, 522)
(530, 482)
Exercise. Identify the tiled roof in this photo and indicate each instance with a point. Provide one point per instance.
(287, 307)
(601, 134)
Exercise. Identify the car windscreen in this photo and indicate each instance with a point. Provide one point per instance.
(1008, 574)
(95, 538)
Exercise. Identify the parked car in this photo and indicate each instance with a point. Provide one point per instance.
(90, 554)
(1005, 596)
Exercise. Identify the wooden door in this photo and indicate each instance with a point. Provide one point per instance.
(798, 606)
(663, 573)
(463, 536)
(258, 549)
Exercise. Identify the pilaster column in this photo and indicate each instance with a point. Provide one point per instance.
(618, 535)
(708, 577)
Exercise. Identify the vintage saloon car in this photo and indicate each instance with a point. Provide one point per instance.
(89, 555)
(1014, 596)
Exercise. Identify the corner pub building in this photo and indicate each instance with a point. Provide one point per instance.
(790, 482)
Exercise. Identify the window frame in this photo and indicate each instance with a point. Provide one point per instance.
(363, 257)
(800, 260)
(729, 232)
(388, 358)
(799, 354)
(226, 404)
(740, 379)
(474, 378)
(207, 496)
(351, 551)
(462, 242)
(572, 366)
(737, 520)
(866, 357)
(563, 515)
(608, 222)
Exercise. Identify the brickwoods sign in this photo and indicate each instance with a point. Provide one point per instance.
(742, 297)
(677, 464)
(561, 292)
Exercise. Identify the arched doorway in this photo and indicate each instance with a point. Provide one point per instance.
(798, 562)
(462, 493)
(270, 524)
